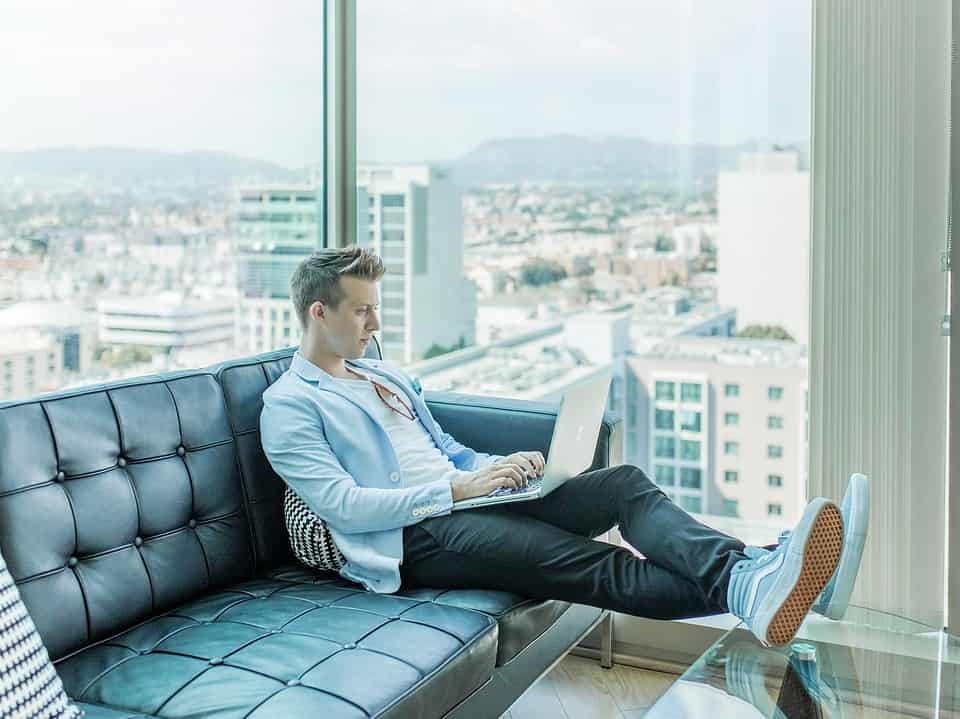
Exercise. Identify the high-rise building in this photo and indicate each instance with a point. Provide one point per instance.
(276, 227)
(763, 251)
(412, 217)
(723, 424)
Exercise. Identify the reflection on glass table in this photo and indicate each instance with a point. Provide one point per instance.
(872, 664)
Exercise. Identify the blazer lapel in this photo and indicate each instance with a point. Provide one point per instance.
(416, 399)
(310, 371)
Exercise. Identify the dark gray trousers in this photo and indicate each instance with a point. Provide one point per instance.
(544, 549)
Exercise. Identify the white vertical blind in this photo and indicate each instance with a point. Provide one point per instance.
(877, 359)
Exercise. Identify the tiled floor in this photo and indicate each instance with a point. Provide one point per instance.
(579, 688)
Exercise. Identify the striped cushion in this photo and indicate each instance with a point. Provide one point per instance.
(29, 685)
(309, 537)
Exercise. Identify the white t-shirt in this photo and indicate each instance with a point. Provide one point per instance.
(420, 459)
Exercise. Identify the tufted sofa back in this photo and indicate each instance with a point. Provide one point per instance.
(243, 382)
(119, 501)
(122, 500)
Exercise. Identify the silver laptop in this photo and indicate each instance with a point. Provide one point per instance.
(571, 449)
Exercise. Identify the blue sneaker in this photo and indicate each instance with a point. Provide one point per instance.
(855, 508)
(771, 591)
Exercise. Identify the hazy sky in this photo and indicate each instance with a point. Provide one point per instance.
(435, 78)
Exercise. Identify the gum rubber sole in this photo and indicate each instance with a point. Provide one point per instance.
(820, 558)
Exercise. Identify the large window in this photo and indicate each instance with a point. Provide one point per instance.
(160, 179)
(629, 184)
(629, 191)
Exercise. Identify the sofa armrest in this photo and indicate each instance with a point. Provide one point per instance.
(498, 425)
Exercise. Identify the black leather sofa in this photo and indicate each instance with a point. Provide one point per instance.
(143, 525)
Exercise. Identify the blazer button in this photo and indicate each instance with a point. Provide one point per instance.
(394, 476)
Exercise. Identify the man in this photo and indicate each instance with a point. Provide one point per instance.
(355, 440)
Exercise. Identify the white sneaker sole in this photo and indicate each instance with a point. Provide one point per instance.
(855, 538)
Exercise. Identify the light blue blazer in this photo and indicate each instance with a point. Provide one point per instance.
(330, 448)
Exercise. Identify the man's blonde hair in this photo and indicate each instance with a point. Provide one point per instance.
(317, 278)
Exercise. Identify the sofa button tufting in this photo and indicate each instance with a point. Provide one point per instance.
(192, 524)
(138, 541)
(181, 451)
(293, 683)
(394, 476)
(72, 562)
(60, 476)
(216, 660)
(275, 631)
(121, 462)
(351, 645)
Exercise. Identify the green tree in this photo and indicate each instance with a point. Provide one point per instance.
(436, 350)
(765, 332)
(538, 272)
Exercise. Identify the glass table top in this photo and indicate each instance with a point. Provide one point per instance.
(871, 664)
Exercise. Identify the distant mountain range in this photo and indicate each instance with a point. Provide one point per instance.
(560, 158)
(128, 165)
(574, 158)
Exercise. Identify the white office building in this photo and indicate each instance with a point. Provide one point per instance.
(168, 321)
(69, 328)
(724, 424)
(276, 226)
(412, 217)
(763, 247)
(31, 362)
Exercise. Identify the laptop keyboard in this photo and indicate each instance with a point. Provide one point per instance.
(532, 485)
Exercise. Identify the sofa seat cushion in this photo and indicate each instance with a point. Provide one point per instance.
(292, 644)
(521, 619)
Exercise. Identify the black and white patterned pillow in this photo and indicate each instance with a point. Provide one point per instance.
(309, 537)
(29, 685)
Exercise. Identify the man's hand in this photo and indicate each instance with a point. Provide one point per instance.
(512, 471)
(489, 479)
(531, 462)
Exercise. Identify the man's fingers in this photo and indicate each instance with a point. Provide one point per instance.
(510, 471)
(536, 462)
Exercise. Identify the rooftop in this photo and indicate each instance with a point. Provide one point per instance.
(46, 314)
(731, 351)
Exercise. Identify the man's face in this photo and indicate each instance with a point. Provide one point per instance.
(355, 320)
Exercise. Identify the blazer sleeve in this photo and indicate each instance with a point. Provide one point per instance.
(293, 440)
(463, 457)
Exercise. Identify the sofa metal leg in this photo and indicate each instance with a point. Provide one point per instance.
(606, 641)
